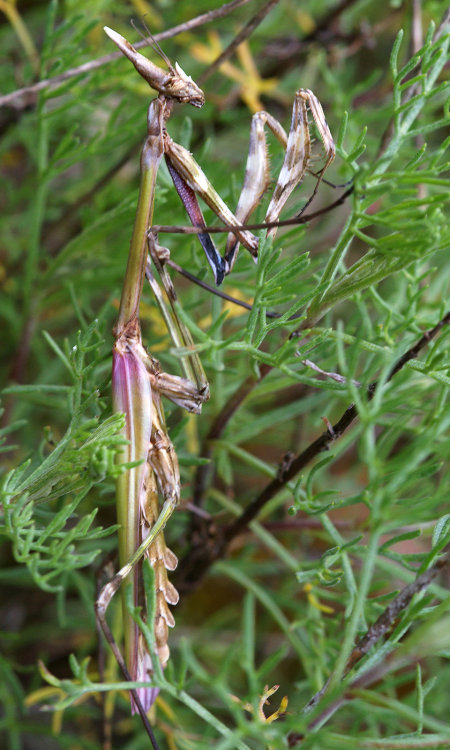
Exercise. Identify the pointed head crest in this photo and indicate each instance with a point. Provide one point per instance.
(174, 83)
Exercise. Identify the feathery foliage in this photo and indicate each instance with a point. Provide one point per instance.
(284, 596)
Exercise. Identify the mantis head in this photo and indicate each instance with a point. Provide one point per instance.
(174, 83)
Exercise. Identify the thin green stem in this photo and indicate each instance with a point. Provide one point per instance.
(358, 609)
(348, 572)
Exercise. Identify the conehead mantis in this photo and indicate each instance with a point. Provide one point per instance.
(138, 381)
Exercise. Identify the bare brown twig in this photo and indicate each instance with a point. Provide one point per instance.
(238, 39)
(322, 443)
(22, 97)
(392, 662)
(303, 219)
(385, 621)
(286, 53)
(202, 555)
(225, 228)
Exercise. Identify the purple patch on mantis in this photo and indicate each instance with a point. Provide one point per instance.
(132, 394)
(190, 202)
(147, 695)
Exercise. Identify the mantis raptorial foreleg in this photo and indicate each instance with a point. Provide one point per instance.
(297, 145)
(296, 162)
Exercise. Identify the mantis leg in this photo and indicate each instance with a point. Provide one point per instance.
(184, 164)
(189, 178)
(179, 333)
(297, 145)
